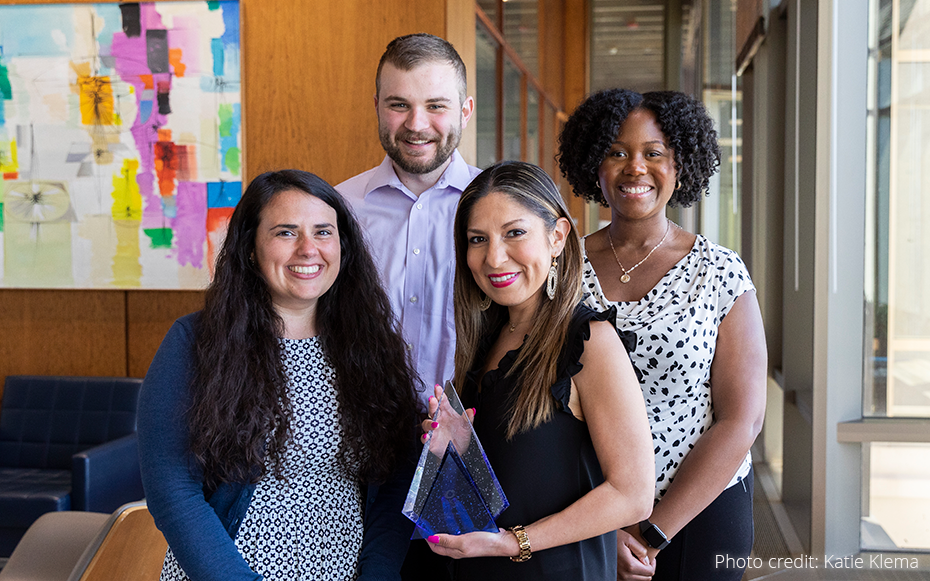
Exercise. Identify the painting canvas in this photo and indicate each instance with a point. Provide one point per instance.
(120, 143)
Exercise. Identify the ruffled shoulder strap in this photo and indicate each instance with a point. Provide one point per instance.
(579, 331)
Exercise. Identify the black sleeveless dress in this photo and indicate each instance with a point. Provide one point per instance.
(541, 471)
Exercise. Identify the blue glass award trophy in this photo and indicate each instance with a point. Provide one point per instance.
(454, 490)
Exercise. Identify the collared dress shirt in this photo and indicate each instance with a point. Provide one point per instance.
(411, 240)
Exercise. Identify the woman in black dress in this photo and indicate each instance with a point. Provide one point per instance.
(558, 406)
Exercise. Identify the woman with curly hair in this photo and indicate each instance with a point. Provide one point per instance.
(263, 416)
(558, 407)
(700, 345)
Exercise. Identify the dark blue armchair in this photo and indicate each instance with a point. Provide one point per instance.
(66, 443)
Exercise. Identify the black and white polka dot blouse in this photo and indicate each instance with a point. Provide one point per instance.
(676, 335)
(308, 526)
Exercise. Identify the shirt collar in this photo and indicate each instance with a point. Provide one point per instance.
(456, 176)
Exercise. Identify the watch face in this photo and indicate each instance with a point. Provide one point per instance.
(653, 535)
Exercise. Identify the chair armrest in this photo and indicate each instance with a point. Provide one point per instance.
(106, 476)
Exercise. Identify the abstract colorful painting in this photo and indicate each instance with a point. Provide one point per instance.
(120, 142)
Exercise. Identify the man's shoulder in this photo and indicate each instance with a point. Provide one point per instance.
(459, 174)
(355, 187)
(473, 173)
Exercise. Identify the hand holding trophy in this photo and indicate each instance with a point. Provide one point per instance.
(454, 489)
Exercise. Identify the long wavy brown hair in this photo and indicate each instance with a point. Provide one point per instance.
(240, 417)
(537, 360)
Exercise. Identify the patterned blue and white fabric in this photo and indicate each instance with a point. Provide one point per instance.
(309, 525)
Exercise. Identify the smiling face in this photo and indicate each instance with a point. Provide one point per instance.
(297, 250)
(638, 175)
(510, 250)
(421, 116)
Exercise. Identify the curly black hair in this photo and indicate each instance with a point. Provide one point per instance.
(592, 128)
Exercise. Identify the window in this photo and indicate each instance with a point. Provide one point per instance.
(532, 126)
(898, 213)
(521, 31)
(896, 502)
(898, 498)
(517, 118)
(486, 97)
(720, 211)
(513, 111)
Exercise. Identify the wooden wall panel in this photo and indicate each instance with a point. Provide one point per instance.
(460, 31)
(575, 86)
(552, 47)
(310, 80)
(150, 315)
(55, 332)
(575, 72)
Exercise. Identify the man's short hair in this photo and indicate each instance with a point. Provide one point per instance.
(410, 51)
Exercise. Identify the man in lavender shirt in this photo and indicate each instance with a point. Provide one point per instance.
(407, 204)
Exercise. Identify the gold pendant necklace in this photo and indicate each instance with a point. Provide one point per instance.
(625, 277)
(513, 326)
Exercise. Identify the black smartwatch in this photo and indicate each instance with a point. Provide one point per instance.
(653, 535)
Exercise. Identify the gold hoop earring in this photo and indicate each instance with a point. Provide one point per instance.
(552, 279)
(485, 303)
(678, 185)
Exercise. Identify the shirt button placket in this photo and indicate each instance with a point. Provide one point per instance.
(415, 275)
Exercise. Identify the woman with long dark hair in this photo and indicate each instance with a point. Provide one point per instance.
(243, 470)
(558, 407)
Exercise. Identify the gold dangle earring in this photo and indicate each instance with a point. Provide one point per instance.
(485, 303)
(553, 279)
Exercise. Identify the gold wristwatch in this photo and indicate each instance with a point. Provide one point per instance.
(525, 551)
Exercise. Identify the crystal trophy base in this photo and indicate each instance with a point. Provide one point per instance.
(454, 490)
(454, 505)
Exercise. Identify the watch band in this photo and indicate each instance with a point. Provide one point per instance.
(653, 535)
(525, 551)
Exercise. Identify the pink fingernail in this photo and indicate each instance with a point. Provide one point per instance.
(474, 412)
(435, 425)
(437, 385)
(432, 397)
(433, 539)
